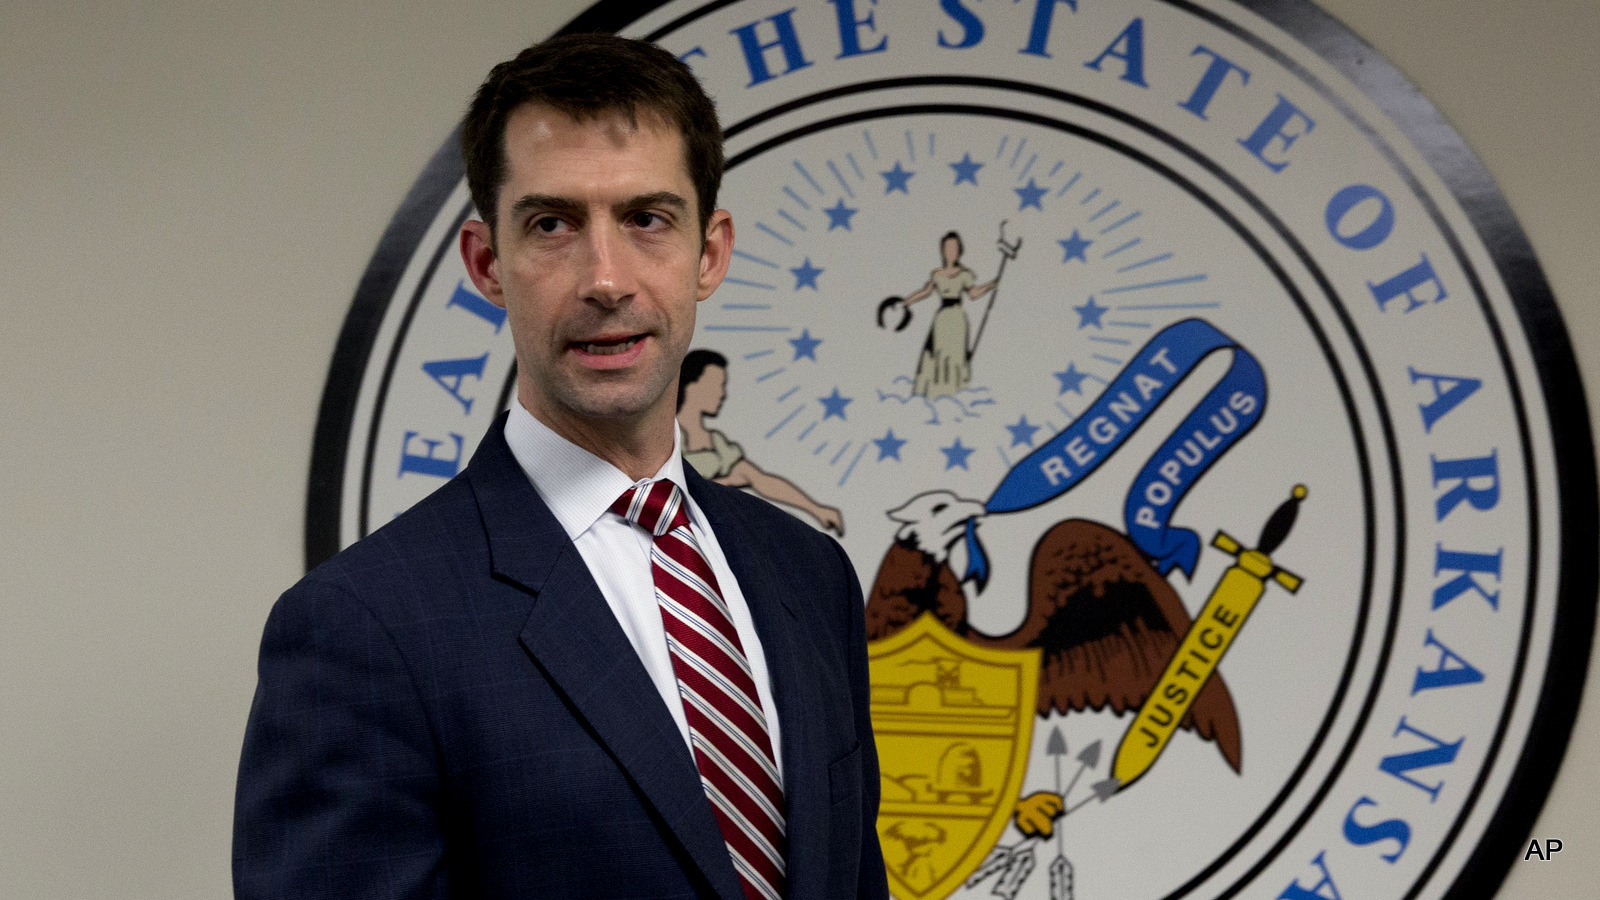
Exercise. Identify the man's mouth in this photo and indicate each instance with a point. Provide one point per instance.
(609, 347)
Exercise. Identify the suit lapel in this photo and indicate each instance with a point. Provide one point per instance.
(576, 640)
(794, 688)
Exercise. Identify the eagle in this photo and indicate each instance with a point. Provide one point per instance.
(1106, 622)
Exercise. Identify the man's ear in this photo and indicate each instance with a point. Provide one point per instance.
(716, 253)
(477, 251)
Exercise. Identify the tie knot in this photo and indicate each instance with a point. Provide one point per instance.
(657, 507)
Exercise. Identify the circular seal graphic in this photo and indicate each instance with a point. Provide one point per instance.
(1187, 398)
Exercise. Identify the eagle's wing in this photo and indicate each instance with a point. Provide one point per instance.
(1107, 624)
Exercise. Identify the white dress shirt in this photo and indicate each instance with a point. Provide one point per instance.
(579, 488)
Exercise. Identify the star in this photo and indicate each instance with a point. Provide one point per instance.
(1090, 313)
(805, 346)
(956, 455)
(1022, 432)
(833, 404)
(806, 275)
(1030, 195)
(896, 178)
(1071, 380)
(839, 216)
(889, 446)
(1074, 247)
(966, 169)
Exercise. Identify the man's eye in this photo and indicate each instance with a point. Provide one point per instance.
(648, 220)
(548, 224)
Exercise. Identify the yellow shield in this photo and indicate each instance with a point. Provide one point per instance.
(954, 723)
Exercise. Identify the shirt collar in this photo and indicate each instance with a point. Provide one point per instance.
(578, 486)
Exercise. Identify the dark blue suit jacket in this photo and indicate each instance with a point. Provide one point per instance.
(449, 709)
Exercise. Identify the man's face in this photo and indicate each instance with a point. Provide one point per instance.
(598, 260)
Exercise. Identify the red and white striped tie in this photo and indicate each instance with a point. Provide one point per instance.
(727, 729)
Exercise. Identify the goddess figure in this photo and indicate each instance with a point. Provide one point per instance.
(945, 365)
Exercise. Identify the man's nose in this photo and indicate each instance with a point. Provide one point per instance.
(611, 273)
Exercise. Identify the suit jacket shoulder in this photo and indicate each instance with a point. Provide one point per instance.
(444, 525)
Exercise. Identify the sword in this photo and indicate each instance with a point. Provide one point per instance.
(1208, 639)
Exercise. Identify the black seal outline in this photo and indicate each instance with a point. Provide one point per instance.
(1473, 189)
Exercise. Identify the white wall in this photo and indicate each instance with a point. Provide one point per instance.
(191, 191)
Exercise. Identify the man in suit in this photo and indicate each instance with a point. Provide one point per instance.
(578, 669)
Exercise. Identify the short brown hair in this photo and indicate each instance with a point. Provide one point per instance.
(584, 76)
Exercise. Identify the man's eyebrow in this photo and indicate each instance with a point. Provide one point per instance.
(657, 198)
(545, 203)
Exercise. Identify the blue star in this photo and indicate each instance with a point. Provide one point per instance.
(1022, 432)
(805, 346)
(1071, 380)
(833, 404)
(896, 178)
(889, 446)
(839, 216)
(1090, 313)
(966, 169)
(806, 275)
(956, 455)
(1074, 247)
(1030, 195)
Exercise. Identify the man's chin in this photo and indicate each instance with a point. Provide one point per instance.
(618, 405)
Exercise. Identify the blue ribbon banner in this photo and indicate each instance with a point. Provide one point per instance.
(1217, 422)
